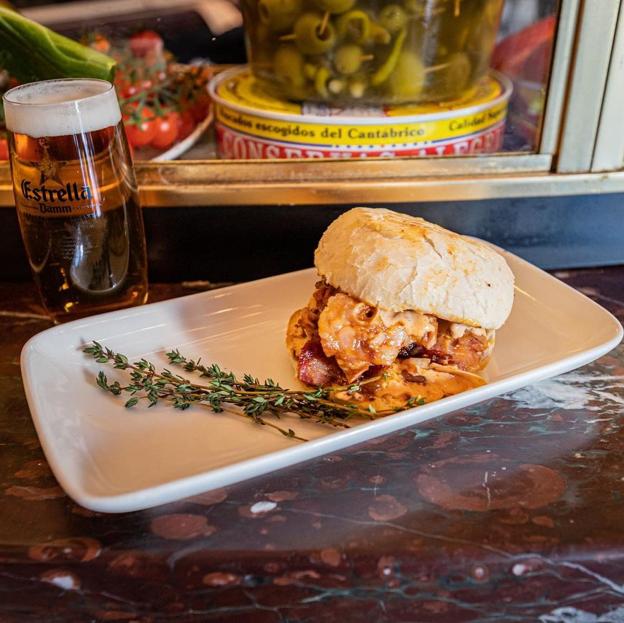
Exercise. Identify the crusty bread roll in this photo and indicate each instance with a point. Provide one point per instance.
(399, 262)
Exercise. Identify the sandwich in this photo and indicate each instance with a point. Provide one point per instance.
(404, 311)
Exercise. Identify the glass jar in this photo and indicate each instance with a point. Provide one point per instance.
(370, 51)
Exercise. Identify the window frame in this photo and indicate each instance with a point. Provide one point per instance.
(570, 131)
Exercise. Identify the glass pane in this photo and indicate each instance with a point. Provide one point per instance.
(379, 77)
(524, 53)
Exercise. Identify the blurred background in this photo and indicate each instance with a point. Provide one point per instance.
(211, 32)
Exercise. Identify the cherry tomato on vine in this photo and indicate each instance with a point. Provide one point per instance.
(198, 107)
(129, 90)
(186, 124)
(143, 133)
(166, 130)
(146, 42)
(100, 43)
(121, 82)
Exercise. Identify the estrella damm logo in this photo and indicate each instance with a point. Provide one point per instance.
(70, 192)
(71, 199)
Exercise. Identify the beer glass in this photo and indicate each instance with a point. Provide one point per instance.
(76, 196)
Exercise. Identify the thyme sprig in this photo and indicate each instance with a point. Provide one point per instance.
(222, 391)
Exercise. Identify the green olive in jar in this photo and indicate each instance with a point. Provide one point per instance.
(450, 78)
(357, 86)
(279, 15)
(313, 34)
(458, 71)
(372, 51)
(288, 66)
(348, 58)
(408, 77)
(334, 6)
(392, 17)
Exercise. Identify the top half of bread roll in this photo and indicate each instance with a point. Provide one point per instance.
(398, 262)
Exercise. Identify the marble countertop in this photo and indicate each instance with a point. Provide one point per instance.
(511, 510)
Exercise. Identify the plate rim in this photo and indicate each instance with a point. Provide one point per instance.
(189, 485)
(182, 146)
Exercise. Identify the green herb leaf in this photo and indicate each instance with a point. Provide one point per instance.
(416, 401)
(248, 397)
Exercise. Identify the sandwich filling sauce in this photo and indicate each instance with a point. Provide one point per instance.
(338, 340)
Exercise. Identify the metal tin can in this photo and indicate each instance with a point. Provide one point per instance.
(251, 124)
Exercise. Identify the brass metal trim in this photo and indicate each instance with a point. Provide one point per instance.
(381, 190)
(282, 182)
(263, 182)
(258, 183)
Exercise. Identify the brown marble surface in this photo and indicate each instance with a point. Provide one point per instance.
(511, 510)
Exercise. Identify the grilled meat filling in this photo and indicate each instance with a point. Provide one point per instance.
(338, 338)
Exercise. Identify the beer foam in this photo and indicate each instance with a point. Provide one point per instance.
(61, 107)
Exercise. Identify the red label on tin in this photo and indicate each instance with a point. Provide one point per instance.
(236, 146)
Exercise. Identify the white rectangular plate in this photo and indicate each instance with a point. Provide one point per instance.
(114, 460)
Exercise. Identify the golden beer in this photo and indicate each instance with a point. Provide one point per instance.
(76, 196)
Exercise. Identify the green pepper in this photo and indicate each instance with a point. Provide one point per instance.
(383, 72)
(320, 81)
(354, 25)
(279, 15)
(313, 34)
(379, 34)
